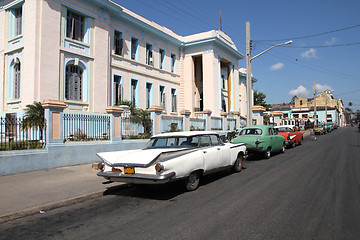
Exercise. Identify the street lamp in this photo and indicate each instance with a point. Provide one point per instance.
(248, 71)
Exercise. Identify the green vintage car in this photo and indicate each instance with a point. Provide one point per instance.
(329, 127)
(261, 140)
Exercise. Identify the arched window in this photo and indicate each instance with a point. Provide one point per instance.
(73, 83)
(17, 80)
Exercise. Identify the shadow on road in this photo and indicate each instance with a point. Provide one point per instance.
(162, 191)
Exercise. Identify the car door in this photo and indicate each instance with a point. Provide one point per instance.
(276, 140)
(210, 153)
(222, 150)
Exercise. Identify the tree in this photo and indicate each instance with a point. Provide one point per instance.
(139, 116)
(259, 99)
(34, 117)
(293, 99)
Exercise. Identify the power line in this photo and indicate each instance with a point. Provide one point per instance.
(312, 35)
(314, 67)
(328, 46)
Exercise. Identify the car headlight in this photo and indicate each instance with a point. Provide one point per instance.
(159, 167)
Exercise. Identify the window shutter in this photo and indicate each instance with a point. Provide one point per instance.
(17, 81)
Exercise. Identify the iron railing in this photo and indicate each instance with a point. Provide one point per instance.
(21, 133)
(171, 123)
(216, 123)
(197, 124)
(86, 127)
(133, 130)
(231, 124)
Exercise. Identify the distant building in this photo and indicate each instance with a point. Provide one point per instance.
(328, 109)
(94, 54)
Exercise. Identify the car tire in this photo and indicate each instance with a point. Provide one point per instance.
(192, 181)
(293, 144)
(267, 153)
(238, 163)
(282, 150)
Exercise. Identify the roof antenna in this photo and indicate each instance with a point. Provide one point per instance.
(220, 20)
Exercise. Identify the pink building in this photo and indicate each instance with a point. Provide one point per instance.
(93, 54)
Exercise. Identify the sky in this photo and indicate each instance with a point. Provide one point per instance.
(325, 35)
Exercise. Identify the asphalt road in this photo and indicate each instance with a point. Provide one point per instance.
(309, 192)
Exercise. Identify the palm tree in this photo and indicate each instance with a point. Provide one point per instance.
(34, 117)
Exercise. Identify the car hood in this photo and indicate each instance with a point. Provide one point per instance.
(139, 157)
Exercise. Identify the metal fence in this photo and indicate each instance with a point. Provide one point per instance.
(171, 123)
(86, 127)
(133, 130)
(197, 124)
(216, 123)
(21, 133)
(231, 124)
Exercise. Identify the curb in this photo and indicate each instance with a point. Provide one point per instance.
(66, 202)
(50, 206)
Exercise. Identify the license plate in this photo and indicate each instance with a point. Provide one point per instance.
(129, 170)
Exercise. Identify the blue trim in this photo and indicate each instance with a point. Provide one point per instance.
(13, 5)
(175, 64)
(76, 46)
(11, 76)
(151, 93)
(137, 101)
(137, 49)
(112, 87)
(85, 79)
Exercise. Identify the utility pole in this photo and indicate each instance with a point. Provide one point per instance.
(249, 94)
(248, 76)
(325, 107)
(314, 105)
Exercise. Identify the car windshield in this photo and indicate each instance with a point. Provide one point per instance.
(320, 125)
(251, 131)
(172, 142)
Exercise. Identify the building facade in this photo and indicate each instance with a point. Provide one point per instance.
(328, 109)
(94, 54)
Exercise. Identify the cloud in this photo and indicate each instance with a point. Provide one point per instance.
(321, 88)
(277, 66)
(311, 53)
(331, 42)
(300, 91)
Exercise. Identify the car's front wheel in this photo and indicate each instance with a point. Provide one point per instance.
(192, 182)
(267, 153)
(283, 148)
(238, 163)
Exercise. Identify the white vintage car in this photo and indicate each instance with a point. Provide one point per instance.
(172, 156)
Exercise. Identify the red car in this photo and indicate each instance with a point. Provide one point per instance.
(291, 134)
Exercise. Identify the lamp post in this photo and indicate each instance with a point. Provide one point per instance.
(248, 71)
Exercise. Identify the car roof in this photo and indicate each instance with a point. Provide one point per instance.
(258, 126)
(184, 134)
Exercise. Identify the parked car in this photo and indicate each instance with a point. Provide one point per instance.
(328, 127)
(332, 126)
(320, 129)
(291, 134)
(261, 139)
(173, 156)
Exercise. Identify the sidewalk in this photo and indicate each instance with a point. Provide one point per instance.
(29, 193)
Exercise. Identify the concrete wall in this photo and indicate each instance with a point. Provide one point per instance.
(13, 162)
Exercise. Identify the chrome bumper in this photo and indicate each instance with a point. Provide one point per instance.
(137, 178)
